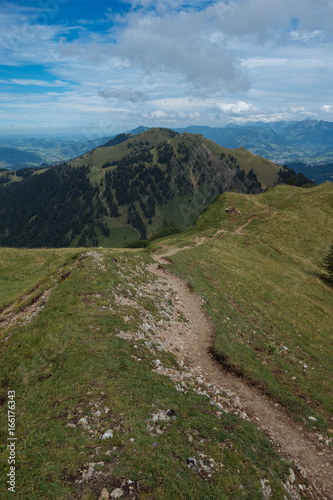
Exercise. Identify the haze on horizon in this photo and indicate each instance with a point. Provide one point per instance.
(105, 67)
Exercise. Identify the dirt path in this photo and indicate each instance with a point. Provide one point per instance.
(250, 219)
(312, 458)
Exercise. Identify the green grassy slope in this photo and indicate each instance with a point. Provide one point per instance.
(23, 271)
(69, 364)
(266, 171)
(264, 291)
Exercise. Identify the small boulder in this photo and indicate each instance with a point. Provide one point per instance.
(232, 210)
(107, 434)
(292, 477)
(84, 422)
(192, 463)
(104, 495)
(117, 493)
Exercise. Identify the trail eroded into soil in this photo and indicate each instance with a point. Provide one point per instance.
(311, 458)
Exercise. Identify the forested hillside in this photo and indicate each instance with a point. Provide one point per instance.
(42, 210)
(121, 193)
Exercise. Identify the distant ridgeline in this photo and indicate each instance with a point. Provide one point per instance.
(128, 190)
(14, 156)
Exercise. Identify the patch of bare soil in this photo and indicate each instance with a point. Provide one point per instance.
(312, 458)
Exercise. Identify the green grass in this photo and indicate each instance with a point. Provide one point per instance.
(21, 271)
(68, 363)
(264, 290)
(265, 170)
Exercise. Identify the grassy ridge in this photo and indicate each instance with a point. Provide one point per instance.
(68, 364)
(21, 271)
(264, 290)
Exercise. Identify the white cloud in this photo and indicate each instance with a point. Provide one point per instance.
(177, 43)
(327, 108)
(264, 18)
(238, 108)
(171, 61)
(169, 116)
(123, 94)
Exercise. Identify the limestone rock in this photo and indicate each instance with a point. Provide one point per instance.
(117, 493)
(104, 495)
(107, 434)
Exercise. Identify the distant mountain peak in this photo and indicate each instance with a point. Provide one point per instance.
(139, 130)
(117, 140)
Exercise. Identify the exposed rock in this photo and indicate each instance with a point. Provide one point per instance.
(104, 495)
(117, 493)
(87, 474)
(160, 415)
(84, 422)
(292, 477)
(107, 434)
(266, 489)
(232, 210)
(205, 467)
(192, 463)
(302, 471)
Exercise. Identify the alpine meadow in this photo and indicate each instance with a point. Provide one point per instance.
(166, 250)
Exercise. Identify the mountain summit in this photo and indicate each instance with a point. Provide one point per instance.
(125, 190)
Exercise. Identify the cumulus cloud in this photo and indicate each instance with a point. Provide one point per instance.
(263, 18)
(239, 108)
(178, 43)
(197, 60)
(168, 116)
(327, 108)
(123, 95)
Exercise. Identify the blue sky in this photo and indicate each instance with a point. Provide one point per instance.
(99, 67)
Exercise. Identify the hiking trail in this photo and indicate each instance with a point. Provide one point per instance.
(312, 458)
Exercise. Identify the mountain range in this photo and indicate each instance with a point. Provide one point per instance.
(308, 141)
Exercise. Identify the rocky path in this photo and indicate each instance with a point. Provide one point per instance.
(311, 457)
